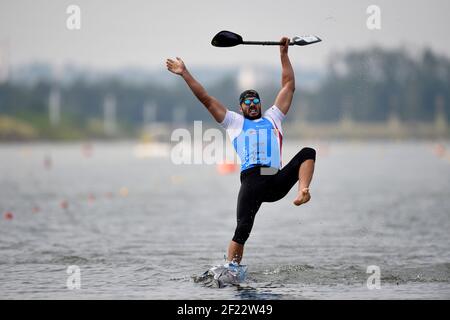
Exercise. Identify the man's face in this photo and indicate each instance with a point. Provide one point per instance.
(251, 109)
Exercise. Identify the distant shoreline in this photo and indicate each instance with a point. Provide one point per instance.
(15, 130)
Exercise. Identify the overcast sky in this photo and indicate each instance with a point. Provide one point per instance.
(143, 33)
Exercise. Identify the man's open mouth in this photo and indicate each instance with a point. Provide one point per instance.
(253, 111)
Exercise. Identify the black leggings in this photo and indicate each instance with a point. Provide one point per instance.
(258, 185)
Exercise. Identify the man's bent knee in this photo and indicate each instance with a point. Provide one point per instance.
(308, 154)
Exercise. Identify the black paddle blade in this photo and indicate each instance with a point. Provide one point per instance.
(226, 39)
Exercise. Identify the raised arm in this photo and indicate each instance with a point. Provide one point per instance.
(213, 105)
(284, 97)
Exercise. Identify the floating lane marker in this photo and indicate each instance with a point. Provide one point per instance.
(124, 192)
(176, 179)
(8, 215)
(91, 198)
(226, 168)
(64, 204)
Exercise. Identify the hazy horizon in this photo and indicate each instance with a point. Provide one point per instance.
(143, 34)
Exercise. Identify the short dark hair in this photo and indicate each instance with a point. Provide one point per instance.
(247, 94)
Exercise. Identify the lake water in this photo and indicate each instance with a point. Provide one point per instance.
(141, 228)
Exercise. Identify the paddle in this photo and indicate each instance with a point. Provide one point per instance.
(231, 39)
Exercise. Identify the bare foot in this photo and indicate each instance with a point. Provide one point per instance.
(302, 197)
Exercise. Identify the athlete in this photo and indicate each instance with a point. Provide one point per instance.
(257, 138)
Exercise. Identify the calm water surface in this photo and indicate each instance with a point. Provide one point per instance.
(142, 228)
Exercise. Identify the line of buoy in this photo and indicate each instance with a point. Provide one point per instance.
(86, 151)
(64, 204)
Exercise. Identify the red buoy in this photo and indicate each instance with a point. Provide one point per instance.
(91, 197)
(86, 150)
(226, 168)
(64, 204)
(8, 215)
(48, 162)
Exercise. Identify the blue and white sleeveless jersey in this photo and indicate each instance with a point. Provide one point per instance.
(257, 142)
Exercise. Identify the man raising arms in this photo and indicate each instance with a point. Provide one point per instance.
(257, 138)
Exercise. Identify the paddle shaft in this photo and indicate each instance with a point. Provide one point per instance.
(265, 43)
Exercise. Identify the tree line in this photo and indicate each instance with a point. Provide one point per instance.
(368, 85)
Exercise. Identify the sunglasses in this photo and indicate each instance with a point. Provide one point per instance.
(249, 101)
